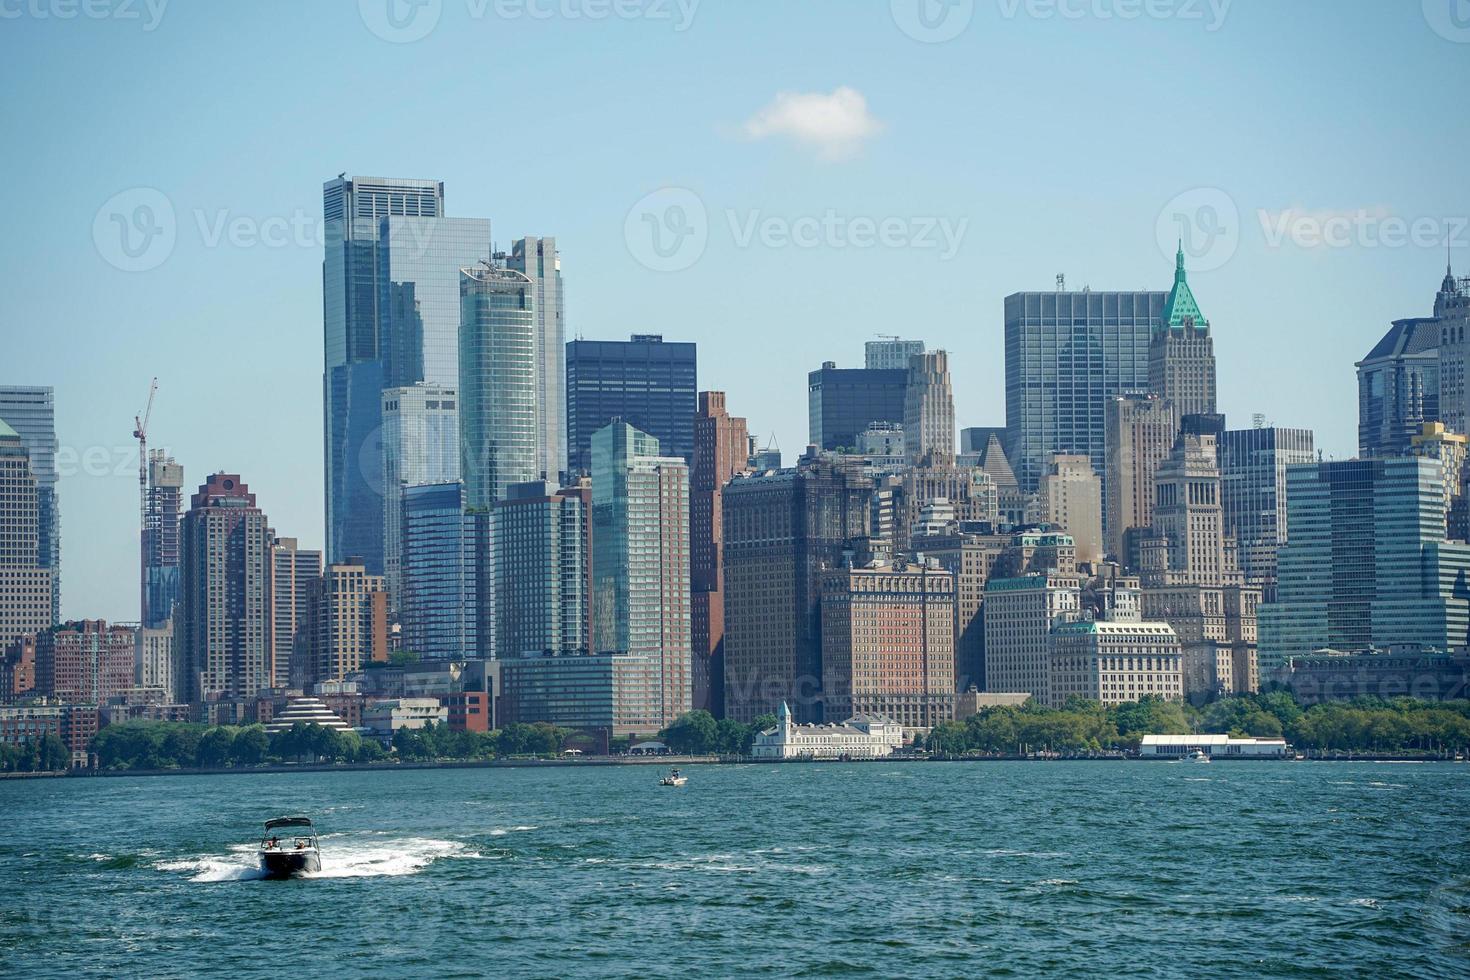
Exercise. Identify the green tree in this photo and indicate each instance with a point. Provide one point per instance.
(53, 754)
(250, 746)
(215, 748)
(692, 733)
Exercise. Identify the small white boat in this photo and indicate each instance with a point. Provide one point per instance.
(1197, 755)
(296, 853)
(674, 778)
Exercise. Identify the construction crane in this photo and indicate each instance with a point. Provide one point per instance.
(140, 433)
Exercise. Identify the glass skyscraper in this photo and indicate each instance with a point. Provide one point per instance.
(420, 445)
(31, 412)
(644, 381)
(843, 402)
(440, 572)
(539, 261)
(161, 538)
(390, 308)
(1253, 466)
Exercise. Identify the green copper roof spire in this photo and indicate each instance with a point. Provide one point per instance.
(1181, 310)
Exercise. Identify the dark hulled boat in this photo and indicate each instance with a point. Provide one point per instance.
(289, 848)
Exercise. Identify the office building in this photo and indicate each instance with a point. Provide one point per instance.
(1435, 441)
(420, 445)
(967, 489)
(888, 644)
(1071, 499)
(1181, 356)
(222, 627)
(1452, 314)
(928, 412)
(85, 662)
(1067, 354)
(1139, 431)
(27, 590)
(154, 667)
(645, 382)
(30, 412)
(439, 605)
(1114, 663)
(1366, 562)
(351, 622)
(1019, 615)
(391, 319)
(542, 573)
(890, 353)
(1398, 387)
(640, 565)
(497, 383)
(1253, 466)
(538, 260)
(843, 402)
(296, 573)
(161, 509)
(970, 556)
(720, 444)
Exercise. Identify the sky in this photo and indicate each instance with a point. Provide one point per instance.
(777, 180)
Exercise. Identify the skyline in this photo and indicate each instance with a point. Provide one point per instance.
(808, 136)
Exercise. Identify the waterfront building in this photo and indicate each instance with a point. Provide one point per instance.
(1214, 746)
(860, 737)
(538, 260)
(162, 506)
(1071, 499)
(84, 662)
(1366, 562)
(497, 383)
(783, 531)
(1181, 356)
(640, 565)
(75, 724)
(442, 545)
(891, 353)
(1019, 615)
(843, 402)
(605, 695)
(296, 573)
(1114, 663)
(386, 718)
(351, 621)
(1398, 387)
(1139, 433)
(155, 660)
(420, 445)
(27, 589)
(222, 628)
(720, 441)
(928, 412)
(391, 319)
(645, 382)
(30, 412)
(1066, 354)
(305, 711)
(1253, 466)
(888, 644)
(1413, 672)
(543, 582)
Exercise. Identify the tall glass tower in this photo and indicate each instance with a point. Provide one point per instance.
(539, 261)
(390, 312)
(31, 412)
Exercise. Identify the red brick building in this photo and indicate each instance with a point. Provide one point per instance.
(85, 662)
(469, 711)
(18, 669)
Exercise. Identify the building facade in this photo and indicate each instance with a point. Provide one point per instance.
(861, 737)
(1181, 355)
(85, 662)
(296, 573)
(1398, 387)
(420, 445)
(27, 590)
(1253, 466)
(439, 607)
(543, 542)
(1071, 499)
(843, 402)
(161, 509)
(646, 382)
(1139, 430)
(720, 454)
(928, 410)
(538, 260)
(30, 412)
(890, 353)
(351, 621)
(1019, 615)
(1114, 663)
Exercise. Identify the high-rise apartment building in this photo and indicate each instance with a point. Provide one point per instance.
(1181, 356)
(420, 445)
(351, 621)
(391, 318)
(1366, 562)
(1066, 354)
(890, 354)
(1019, 615)
(163, 504)
(542, 573)
(538, 260)
(928, 412)
(646, 382)
(842, 403)
(720, 454)
(1253, 466)
(640, 566)
(442, 546)
(1139, 431)
(27, 593)
(155, 660)
(888, 644)
(85, 662)
(222, 629)
(970, 556)
(1071, 499)
(30, 411)
(295, 575)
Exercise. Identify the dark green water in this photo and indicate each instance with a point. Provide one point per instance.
(1019, 869)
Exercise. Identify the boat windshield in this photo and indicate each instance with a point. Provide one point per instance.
(288, 834)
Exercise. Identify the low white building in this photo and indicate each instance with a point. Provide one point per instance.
(1214, 746)
(860, 737)
(387, 717)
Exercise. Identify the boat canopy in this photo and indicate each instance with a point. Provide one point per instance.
(287, 822)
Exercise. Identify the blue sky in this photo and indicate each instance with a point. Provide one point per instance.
(1048, 137)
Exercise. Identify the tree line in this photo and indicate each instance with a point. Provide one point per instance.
(698, 733)
(47, 754)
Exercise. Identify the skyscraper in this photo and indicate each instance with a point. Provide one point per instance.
(1139, 431)
(640, 565)
(295, 576)
(351, 622)
(497, 383)
(539, 261)
(439, 604)
(843, 402)
(26, 589)
(646, 382)
(391, 314)
(30, 411)
(420, 445)
(542, 581)
(1253, 466)
(1066, 354)
(928, 409)
(223, 628)
(1019, 615)
(1452, 312)
(1071, 499)
(890, 354)
(720, 443)
(1398, 387)
(161, 538)
(1181, 356)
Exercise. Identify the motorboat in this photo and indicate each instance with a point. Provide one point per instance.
(289, 848)
(674, 778)
(1197, 755)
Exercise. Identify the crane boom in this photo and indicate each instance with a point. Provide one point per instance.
(140, 432)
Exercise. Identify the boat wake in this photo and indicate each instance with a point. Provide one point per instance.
(341, 858)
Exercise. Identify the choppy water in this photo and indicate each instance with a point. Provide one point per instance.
(1010, 869)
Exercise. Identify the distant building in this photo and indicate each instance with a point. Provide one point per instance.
(420, 445)
(27, 589)
(1071, 499)
(861, 737)
(1019, 615)
(439, 605)
(539, 260)
(163, 502)
(352, 622)
(720, 441)
(84, 662)
(387, 718)
(928, 414)
(305, 711)
(1435, 441)
(1181, 356)
(1214, 746)
(1331, 675)
(543, 569)
(1398, 387)
(1253, 466)
(646, 382)
(843, 402)
(18, 669)
(296, 574)
(1140, 431)
(1114, 663)
(154, 667)
(890, 354)
(29, 411)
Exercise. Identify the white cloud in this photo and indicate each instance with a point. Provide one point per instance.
(834, 125)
